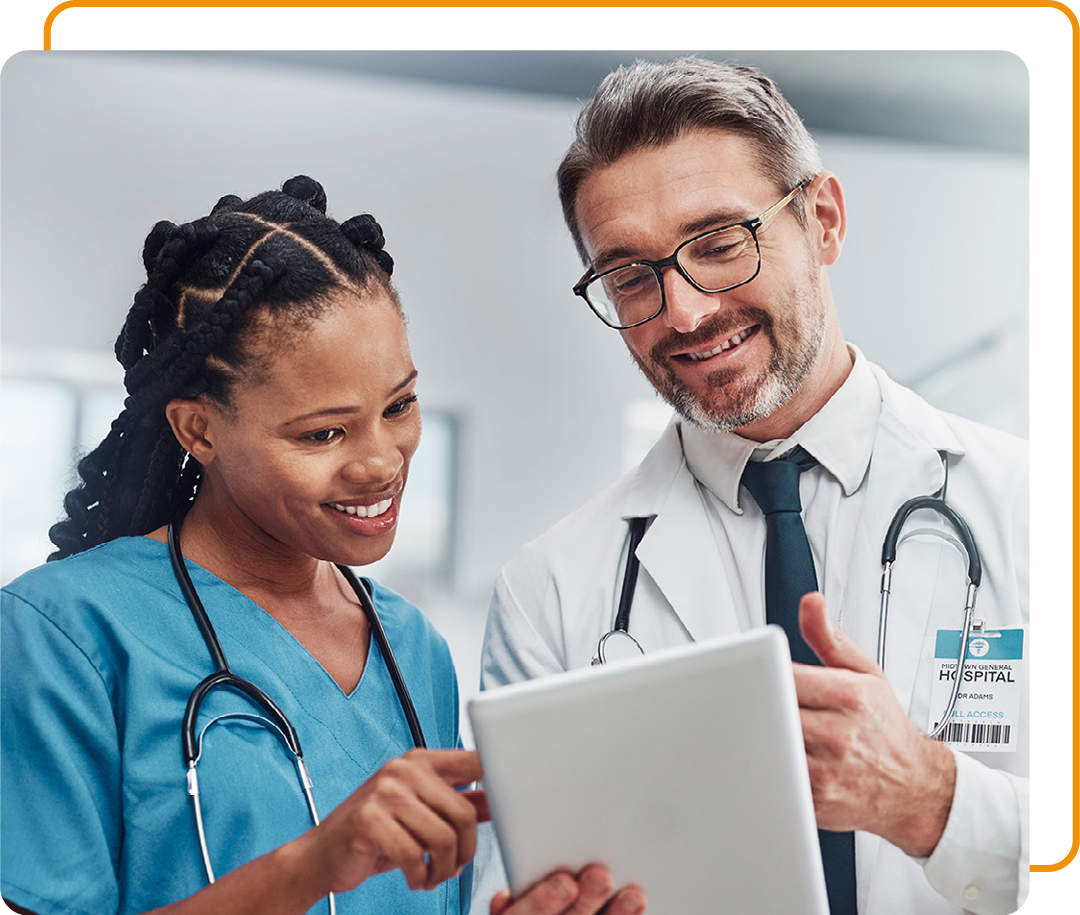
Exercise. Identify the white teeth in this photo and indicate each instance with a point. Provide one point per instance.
(363, 511)
(726, 345)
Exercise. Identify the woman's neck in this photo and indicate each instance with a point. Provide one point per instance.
(307, 596)
(247, 558)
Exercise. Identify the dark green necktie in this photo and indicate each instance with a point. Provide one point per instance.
(789, 565)
(789, 574)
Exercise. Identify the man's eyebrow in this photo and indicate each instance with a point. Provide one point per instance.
(714, 220)
(610, 255)
(717, 219)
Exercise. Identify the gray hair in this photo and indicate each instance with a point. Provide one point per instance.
(651, 104)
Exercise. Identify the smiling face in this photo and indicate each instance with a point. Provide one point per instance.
(312, 453)
(762, 357)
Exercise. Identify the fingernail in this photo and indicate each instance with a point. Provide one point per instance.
(593, 882)
(563, 888)
(628, 905)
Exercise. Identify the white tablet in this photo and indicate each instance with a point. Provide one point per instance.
(683, 771)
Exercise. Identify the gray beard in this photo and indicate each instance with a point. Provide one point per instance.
(772, 393)
(759, 397)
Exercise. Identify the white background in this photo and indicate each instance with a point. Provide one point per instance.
(1041, 36)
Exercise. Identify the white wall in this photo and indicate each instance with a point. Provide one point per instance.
(95, 149)
(933, 281)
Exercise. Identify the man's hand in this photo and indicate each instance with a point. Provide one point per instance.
(561, 893)
(870, 768)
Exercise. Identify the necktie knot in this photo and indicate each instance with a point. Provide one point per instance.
(775, 484)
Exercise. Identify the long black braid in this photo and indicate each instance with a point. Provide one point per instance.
(277, 255)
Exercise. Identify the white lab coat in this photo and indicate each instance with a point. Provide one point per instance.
(556, 598)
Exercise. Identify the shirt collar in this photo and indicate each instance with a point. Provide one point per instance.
(840, 435)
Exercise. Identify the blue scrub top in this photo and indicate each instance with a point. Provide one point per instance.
(98, 654)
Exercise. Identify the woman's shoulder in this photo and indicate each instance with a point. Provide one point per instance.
(403, 621)
(395, 610)
(100, 606)
(118, 570)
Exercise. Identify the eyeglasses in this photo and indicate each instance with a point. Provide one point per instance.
(715, 261)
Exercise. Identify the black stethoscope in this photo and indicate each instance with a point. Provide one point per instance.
(276, 720)
(617, 643)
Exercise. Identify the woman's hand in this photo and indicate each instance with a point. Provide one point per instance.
(561, 893)
(406, 815)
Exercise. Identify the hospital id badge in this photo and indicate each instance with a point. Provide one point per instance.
(987, 712)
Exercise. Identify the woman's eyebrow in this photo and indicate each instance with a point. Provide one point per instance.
(351, 408)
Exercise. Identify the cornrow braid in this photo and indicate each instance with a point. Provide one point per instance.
(80, 530)
(276, 256)
(140, 437)
(155, 379)
(168, 248)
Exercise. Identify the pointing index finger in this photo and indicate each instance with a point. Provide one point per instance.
(456, 767)
(478, 799)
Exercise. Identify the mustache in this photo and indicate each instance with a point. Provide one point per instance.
(719, 326)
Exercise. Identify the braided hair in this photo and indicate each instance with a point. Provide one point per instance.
(278, 257)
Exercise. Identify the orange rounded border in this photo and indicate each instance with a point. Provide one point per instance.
(68, 4)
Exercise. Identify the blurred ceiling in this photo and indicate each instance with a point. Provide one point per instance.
(971, 99)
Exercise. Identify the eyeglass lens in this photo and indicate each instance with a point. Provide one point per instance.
(715, 262)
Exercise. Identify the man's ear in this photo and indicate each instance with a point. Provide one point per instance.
(827, 218)
(190, 422)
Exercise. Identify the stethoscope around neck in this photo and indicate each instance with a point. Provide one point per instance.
(275, 719)
(964, 542)
(618, 643)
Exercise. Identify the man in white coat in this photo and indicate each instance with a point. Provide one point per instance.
(707, 224)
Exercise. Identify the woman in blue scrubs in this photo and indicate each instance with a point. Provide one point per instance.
(272, 406)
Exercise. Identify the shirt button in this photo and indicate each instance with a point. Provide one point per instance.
(971, 892)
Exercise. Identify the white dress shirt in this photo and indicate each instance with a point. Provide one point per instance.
(702, 576)
(841, 437)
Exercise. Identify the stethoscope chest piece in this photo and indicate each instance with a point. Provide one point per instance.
(617, 645)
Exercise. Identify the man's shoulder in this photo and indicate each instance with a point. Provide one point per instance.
(603, 510)
(949, 431)
(600, 522)
(978, 437)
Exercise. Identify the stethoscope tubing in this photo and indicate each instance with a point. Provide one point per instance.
(619, 642)
(889, 547)
(222, 675)
(936, 503)
(379, 634)
(278, 720)
(630, 574)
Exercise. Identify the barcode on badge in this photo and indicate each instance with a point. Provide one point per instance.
(971, 734)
